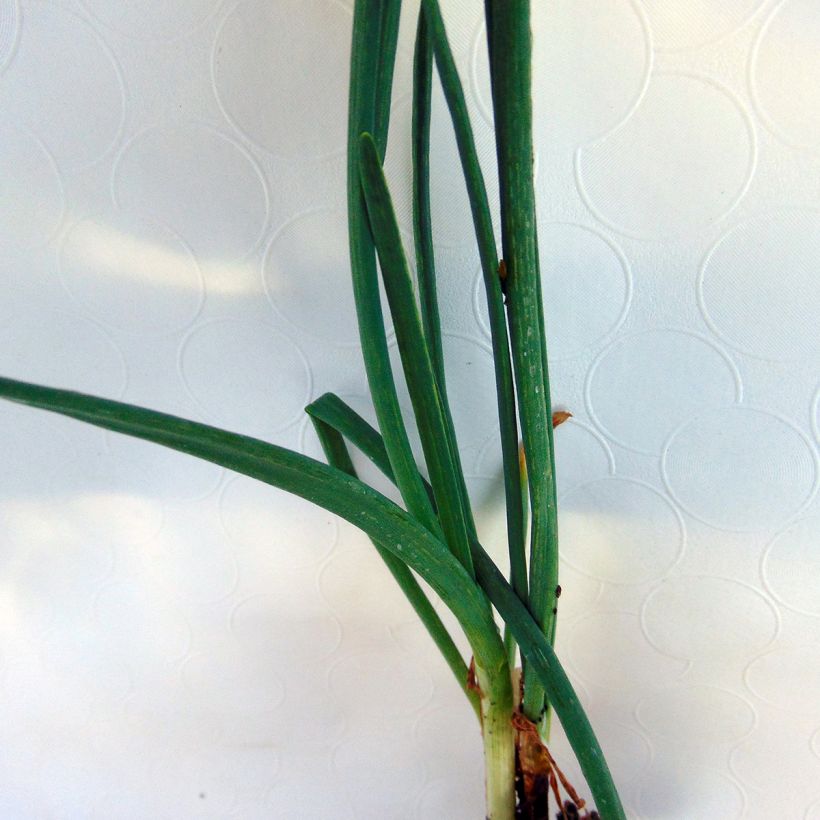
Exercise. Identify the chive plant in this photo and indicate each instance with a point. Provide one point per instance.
(432, 534)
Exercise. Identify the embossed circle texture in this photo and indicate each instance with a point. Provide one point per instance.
(106, 499)
(362, 680)
(355, 583)
(395, 766)
(815, 414)
(450, 207)
(758, 286)
(264, 522)
(724, 619)
(587, 288)
(776, 739)
(57, 43)
(470, 388)
(152, 19)
(800, 664)
(133, 621)
(643, 386)
(678, 25)
(267, 629)
(711, 715)
(109, 266)
(307, 277)
(580, 455)
(255, 359)
(619, 530)
(212, 675)
(199, 568)
(454, 797)
(32, 446)
(771, 464)
(682, 160)
(9, 30)
(30, 214)
(791, 567)
(591, 63)
(717, 795)
(609, 649)
(61, 350)
(199, 183)
(175, 476)
(277, 45)
(785, 73)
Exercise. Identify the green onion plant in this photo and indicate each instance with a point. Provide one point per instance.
(432, 534)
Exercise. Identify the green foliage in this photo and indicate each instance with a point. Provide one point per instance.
(433, 535)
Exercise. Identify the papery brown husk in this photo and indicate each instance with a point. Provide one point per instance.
(538, 778)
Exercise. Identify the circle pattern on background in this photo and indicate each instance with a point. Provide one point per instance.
(777, 739)
(367, 757)
(307, 277)
(449, 206)
(266, 628)
(254, 687)
(255, 359)
(448, 797)
(647, 178)
(106, 500)
(9, 30)
(275, 116)
(263, 523)
(677, 26)
(360, 683)
(581, 455)
(29, 216)
(784, 73)
(644, 385)
(470, 388)
(791, 567)
(799, 664)
(153, 20)
(175, 476)
(200, 184)
(591, 64)
(198, 570)
(609, 649)
(355, 583)
(717, 794)
(772, 465)
(715, 716)
(758, 286)
(587, 288)
(61, 350)
(619, 530)
(132, 619)
(32, 447)
(57, 43)
(110, 266)
(724, 619)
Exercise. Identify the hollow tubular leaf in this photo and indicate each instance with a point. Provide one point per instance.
(385, 522)
(365, 94)
(425, 394)
(511, 82)
(488, 254)
(534, 645)
(422, 221)
(423, 238)
(337, 455)
(389, 12)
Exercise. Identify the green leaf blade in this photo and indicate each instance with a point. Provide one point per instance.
(437, 437)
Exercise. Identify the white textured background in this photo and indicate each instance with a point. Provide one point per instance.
(177, 642)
